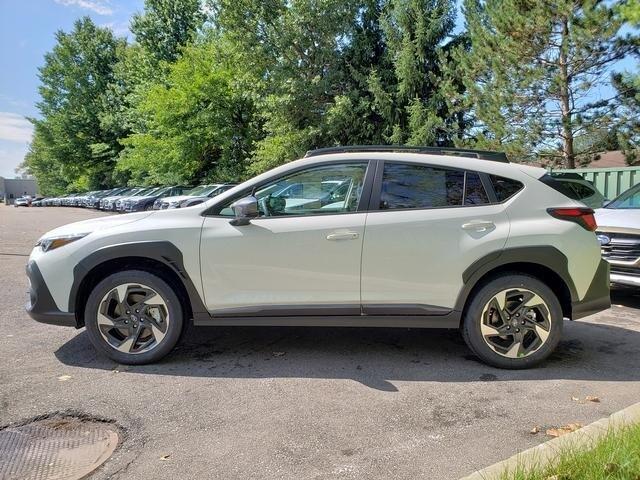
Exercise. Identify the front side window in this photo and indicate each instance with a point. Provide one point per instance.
(322, 190)
(418, 186)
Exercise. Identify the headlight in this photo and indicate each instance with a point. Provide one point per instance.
(52, 243)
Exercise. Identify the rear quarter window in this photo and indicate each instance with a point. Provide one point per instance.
(505, 188)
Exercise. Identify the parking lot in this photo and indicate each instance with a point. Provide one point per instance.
(293, 403)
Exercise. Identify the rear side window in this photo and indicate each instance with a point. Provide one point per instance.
(505, 188)
(417, 186)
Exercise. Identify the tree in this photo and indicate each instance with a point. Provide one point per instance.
(627, 85)
(410, 99)
(70, 143)
(199, 120)
(167, 25)
(532, 70)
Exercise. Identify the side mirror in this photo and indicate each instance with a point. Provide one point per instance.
(244, 210)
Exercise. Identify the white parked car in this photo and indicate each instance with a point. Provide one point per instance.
(415, 237)
(619, 235)
(22, 201)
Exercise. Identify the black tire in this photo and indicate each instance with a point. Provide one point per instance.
(471, 327)
(173, 306)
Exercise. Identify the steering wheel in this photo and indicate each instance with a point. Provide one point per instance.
(263, 205)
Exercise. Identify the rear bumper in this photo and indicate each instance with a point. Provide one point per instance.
(597, 297)
(41, 306)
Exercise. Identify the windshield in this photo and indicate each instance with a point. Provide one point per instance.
(195, 192)
(629, 199)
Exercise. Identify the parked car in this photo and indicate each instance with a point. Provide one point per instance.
(139, 194)
(145, 202)
(619, 235)
(109, 203)
(193, 197)
(93, 201)
(22, 201)
(420, 237)
(578, 188)
(37, 202)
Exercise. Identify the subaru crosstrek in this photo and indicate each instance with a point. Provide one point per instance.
(351, 236)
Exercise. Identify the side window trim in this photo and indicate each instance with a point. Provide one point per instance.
(364, 197)
(488, 187)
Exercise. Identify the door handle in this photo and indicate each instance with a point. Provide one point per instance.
(478, 226)
(343, 236)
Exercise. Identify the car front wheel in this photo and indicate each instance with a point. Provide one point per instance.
(514, 321)
(134, 317)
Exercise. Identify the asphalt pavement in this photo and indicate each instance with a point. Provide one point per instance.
(305, 403)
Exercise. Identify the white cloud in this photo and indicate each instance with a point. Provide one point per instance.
(15, 128)
(101, 7)
(120, 29)
(11, 155)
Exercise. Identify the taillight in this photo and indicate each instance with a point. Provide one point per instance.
(580, 215)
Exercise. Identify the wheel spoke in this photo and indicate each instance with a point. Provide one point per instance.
(515, 350)
(103, 320)
(542, 333)
(122, 294)
(488, 330)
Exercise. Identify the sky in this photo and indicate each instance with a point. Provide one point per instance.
(27, 29)
(27, 32)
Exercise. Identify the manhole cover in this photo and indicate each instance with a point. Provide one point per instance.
(56, 447)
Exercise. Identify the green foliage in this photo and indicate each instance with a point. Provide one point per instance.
(68, 150)
(253, 84)
(167, 25)
(531, 71)
(199, 121)
(614, 456)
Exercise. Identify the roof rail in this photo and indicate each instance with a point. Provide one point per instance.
(460, 152)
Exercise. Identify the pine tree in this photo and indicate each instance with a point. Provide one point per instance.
(532, 73)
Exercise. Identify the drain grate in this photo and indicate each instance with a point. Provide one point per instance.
(55, 447)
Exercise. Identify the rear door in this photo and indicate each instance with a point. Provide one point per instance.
(425, 226)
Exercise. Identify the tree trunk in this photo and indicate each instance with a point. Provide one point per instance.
(565, 105)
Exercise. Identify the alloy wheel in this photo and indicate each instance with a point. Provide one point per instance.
(133, 318)
(515, 323)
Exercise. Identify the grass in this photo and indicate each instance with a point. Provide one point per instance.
(614, 456)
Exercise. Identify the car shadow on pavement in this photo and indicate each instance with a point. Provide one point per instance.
(375, 357)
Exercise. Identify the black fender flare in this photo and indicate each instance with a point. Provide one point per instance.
(545, 256)
(164, 252)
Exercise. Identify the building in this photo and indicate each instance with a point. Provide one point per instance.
(12, 188)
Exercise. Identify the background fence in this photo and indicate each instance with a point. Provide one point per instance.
(611, 182)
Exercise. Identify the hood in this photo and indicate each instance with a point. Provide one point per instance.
(177, 198)
(94, 224)
(142, 199)
(618, 217)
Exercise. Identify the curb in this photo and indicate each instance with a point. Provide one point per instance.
(546, 452)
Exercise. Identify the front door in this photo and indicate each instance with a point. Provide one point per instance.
(301, 256)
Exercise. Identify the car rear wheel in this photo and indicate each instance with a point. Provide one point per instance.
(134, 317)
(514, 321)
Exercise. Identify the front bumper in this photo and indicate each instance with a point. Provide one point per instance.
(597, 297)
(41, 306)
